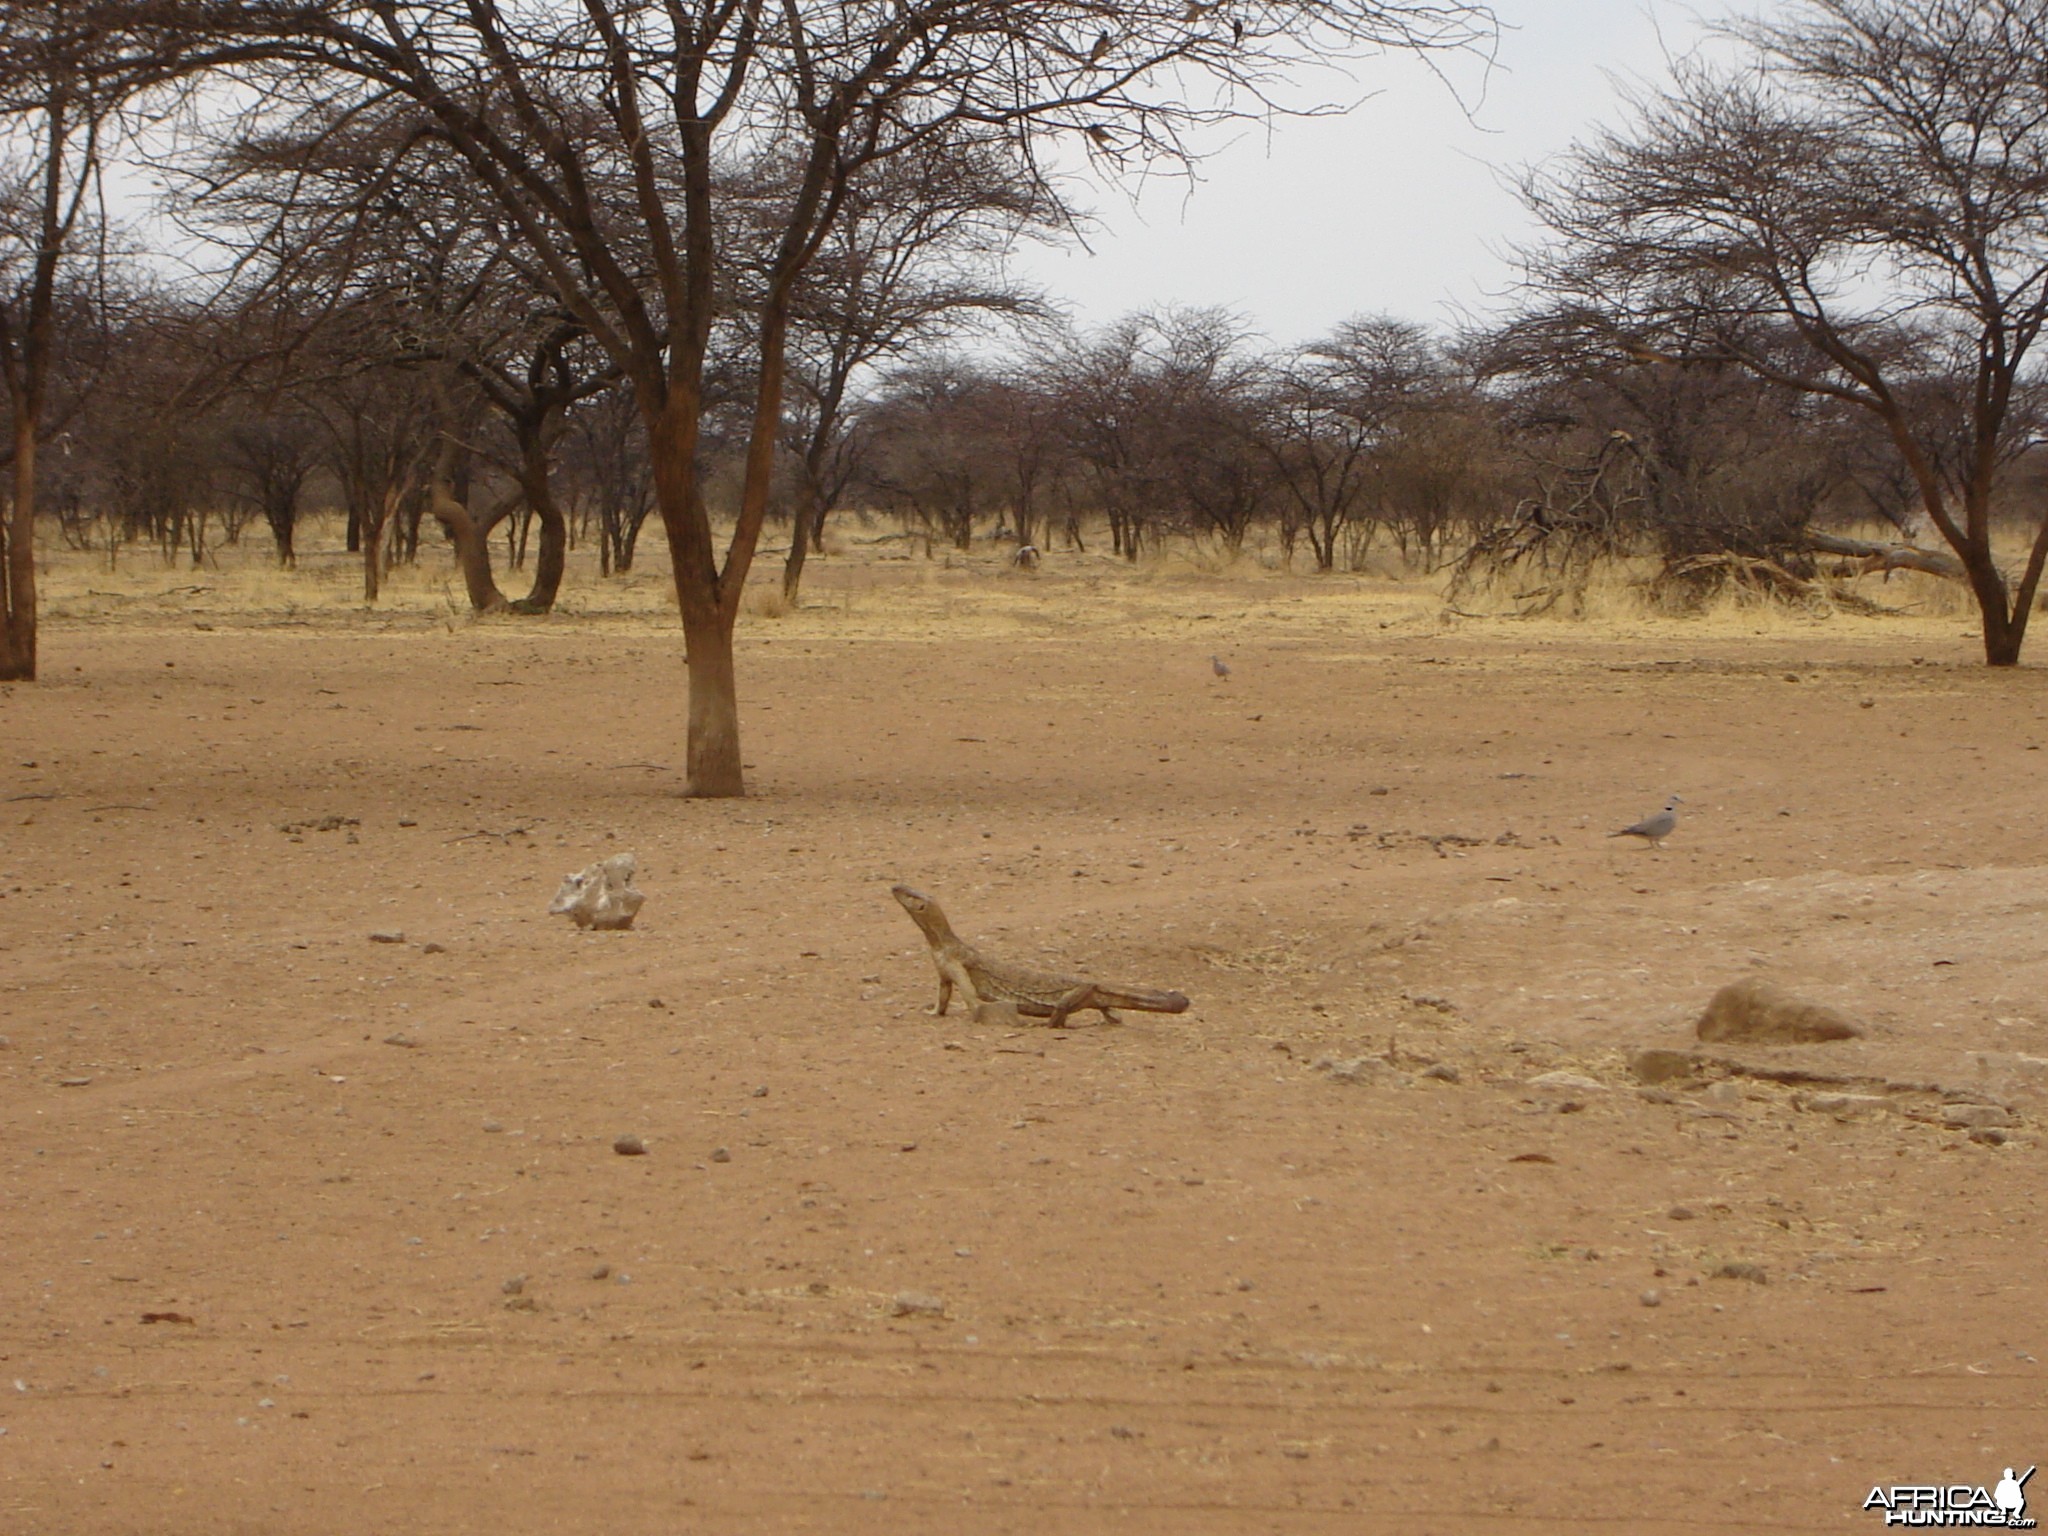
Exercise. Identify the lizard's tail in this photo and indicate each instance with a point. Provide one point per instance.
(1146, 999)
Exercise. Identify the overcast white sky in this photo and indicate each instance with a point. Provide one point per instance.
(1403, 206)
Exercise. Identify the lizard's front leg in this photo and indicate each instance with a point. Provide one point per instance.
(952, 974)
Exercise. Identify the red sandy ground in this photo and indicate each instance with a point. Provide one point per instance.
(1191, 1281)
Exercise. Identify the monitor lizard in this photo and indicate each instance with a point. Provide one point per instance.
(1031, 993)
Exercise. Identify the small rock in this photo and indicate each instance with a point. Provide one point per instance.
(492, 1127)
(1652, 1297)
(408, 821)
(1566, 1082)
(1738, 1269)
(655, 1002)
(431, 947)
(630, 1145)
(1355, 1069)
(1975, 1116)
(388, 936)
(601, 1272)
(73, 1082)
(761, 1092)
(720, 1155)
(1442, 1072)
(6, 1043)
(522, 1304)
(1123, 1432)
(406, 1041)
(916, 1304)
(1989, 1136)
(1723, 1092)
(1651, 1065)
(513, 1286)
(1681, 1213)
(1754, 1010)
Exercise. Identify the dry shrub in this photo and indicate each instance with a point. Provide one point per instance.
(767, 601)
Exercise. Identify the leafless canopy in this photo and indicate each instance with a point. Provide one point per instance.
(1874, 177)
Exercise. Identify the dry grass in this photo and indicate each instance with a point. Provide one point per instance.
(883, 583)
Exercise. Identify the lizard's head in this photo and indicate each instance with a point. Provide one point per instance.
(922, 909)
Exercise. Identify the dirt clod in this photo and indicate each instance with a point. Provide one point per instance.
(1753, 1010)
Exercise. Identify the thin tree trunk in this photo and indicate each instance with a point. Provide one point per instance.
(374, 530)
(18, 632)
(799, 543)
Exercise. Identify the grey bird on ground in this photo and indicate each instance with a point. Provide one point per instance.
(1217, 666)
(1654, 829)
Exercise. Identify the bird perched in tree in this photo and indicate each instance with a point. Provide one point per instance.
(1219, 667)
(1102, 43)
(1654, 829)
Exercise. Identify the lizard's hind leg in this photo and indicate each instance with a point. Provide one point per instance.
(1082, 996)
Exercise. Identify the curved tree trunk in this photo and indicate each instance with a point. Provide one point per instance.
(538, 489)
(471, 537)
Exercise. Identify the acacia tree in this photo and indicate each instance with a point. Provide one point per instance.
(1326, 414)
(913, 257)
(599, 131)
(68, 68)
(1875, 180)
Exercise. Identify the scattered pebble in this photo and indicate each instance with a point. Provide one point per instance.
(492, 1127)
(387, 936)
(433, 948)
(1738, 1269)
(1442, 1072)
(73, 1082)
(655, 1002)
(514, 1286)
(1989, 1136)
(720, 1155)
(630, 1145)
(761, 1092)
(601, 1272)
(408, 821)
(916, 1304)
(1652, 1297)
(406, 1041)
(1681, 1213)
